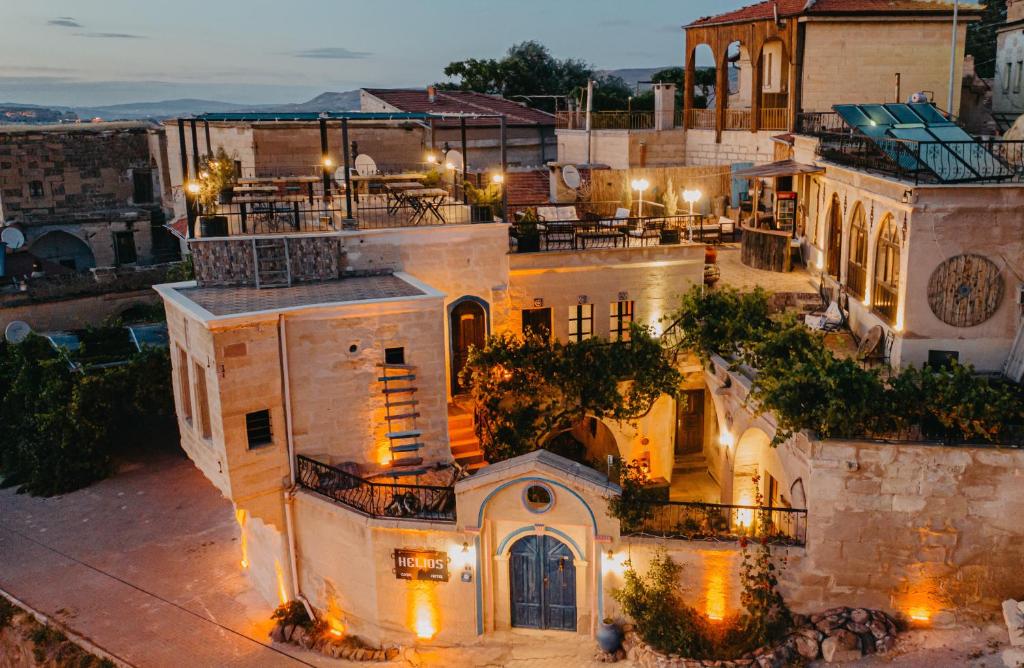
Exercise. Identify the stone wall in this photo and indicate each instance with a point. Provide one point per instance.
(80, 169)
(231, 261)
(736, 146)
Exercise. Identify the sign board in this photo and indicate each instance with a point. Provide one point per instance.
(421, 565)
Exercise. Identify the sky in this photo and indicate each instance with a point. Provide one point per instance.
(80, 52)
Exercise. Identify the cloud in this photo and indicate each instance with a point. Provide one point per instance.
(109, 35)
(332, 52)
(64, 22)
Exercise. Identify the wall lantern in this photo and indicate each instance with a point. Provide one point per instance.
(497, 178)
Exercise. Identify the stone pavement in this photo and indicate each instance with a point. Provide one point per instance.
(739, 275)
(145, 565)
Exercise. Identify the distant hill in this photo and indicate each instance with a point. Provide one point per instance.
(157, 110)
(345, 101)
(30, 113)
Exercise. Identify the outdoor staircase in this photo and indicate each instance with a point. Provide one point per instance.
(400, 414)
(271, 263)
(464, 444)
(691, 463)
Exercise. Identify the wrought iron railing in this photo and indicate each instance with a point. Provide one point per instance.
(816, 123)
(377, 499)
(717, 522)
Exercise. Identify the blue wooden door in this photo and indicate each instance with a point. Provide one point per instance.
(543, 584)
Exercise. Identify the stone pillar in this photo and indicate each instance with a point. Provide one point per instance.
(664, 106)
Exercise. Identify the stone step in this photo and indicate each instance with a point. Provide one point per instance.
(399, 390)
(396, 404)
(460, 433)
(404, 376)
(402, 416)
(470, 458)
(408, 447)
(459, 449)
(408, 433)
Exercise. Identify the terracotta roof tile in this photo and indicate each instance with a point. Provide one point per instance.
(767, 10)
(461, 102)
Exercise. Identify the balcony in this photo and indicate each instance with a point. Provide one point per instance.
(721, 523)
(608, 120)
(382, 500)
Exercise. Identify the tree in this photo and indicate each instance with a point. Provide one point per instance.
(528, 68)
(981, 37)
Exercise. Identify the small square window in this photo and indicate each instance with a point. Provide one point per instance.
(257, 429)
(621, 317)
(394, 355)
(35, 189)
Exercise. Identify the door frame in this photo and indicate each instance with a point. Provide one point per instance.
(451, 334)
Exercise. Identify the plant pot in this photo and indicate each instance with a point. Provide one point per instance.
(528, 243)
(225, 196)
(710, 255)
(481, 213)
(213, 226)
(609, 637)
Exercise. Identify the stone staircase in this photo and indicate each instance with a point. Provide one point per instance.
(691, 463)
(399, 389)
(271, 263)
(465, 446)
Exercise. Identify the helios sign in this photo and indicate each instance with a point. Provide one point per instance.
(421, 565)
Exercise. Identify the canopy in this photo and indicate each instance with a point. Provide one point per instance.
(780, 168)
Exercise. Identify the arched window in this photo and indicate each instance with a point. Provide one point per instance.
(834, 252)
(887, 271)
(857, 264)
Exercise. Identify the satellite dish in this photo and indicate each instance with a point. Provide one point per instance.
(571, 177)
(13, 237)
(365, 166)
(454, 158)
(869, 343)
(17, 331)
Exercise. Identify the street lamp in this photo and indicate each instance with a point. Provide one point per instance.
(497, 178)
(640, 185)
(691, 197)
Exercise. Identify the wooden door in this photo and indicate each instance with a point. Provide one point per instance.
(834, 253)
(690, 422)
(542, 574)
(468, 327)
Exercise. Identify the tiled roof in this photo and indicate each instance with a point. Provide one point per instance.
(785, 8)
(461, 102)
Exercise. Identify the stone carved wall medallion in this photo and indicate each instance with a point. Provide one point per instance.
(965, 290)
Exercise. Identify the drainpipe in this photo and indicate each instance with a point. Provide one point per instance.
(289, 494)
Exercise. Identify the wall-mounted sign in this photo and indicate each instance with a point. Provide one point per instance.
(623, 296)
(582, 299)
(538, 302)
(421, 565)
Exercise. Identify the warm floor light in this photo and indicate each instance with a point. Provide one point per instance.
(423, 609)
(282, 593)
(919, 615)
(335, 632)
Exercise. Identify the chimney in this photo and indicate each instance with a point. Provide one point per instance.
(664, 106)
(431, 94)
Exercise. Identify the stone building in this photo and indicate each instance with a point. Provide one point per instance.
(1007, 94)
(85, 195)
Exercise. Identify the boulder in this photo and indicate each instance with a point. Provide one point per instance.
(841, 646)
(885, 644)
(277, 633)
(1013, 657)
(806, 647)
(1013, 614)
(860, 615)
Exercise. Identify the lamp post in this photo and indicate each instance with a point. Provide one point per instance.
(691, 197)
(640, 185)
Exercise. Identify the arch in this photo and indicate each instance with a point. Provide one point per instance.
(597, 439)
(886, 285)
(797, 495)
(505, 544)
(834, 238)
(857, 255)
(747, 461)
(468, 325)
(65, 249)
(701, 56)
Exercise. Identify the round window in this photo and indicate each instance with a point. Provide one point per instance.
(538, 498)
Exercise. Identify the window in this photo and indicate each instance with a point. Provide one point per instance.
(35, 189)
(1016, 81)
(857, 265)
(142, 186)
(768, 70)
(887, 271)
(537, 321)
(394, 356)
(257, 429)
(124, 248)
(621, 316)
(184, 386)
(1007, 73)
(203, 401)
(581, 322)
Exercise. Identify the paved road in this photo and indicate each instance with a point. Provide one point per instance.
(145, 565)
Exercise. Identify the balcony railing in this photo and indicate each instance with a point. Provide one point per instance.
(737, 119)
(605, 120)
(377, 499)
(774, 118)
(716, 522)
(818, 123)
(702, 119)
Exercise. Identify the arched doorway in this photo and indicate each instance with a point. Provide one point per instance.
(834, 253)
(65, 249)
(542, 584)
(467, 327)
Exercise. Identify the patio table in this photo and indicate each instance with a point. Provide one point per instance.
(424, 201)
(396, 193)
(363, 181)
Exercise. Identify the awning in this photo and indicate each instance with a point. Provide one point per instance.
(780, 168)
(179, 228)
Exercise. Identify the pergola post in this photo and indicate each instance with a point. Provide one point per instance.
(689, 83)
(209, 144)
(190, 213)
(792, 97)
(195, 146)
(462, 133)
(348, 173)
(325, 172)
(721, 92)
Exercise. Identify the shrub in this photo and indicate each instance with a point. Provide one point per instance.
(636, 503)
(718, 322)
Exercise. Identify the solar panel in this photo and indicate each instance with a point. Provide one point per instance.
(926, 140)
(152, 335)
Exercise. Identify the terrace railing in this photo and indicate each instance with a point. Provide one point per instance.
(605, 120)
(737, 119)
(817, 123)
(377, 499)
(702, 119)
(717, 522)
(774, 118)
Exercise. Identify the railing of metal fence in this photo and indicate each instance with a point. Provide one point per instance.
(718, 522)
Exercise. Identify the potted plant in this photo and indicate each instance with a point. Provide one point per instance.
(609, 636)
(217, 180)
(527, 233)
(484, 202)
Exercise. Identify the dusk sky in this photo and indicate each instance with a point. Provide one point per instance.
(69, 52)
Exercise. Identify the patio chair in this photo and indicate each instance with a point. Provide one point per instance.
(728, 226)
(645, 233)
(620, 219)
(559, 236)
